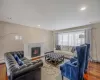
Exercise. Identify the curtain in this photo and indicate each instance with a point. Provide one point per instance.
(95, 44)
(88, 39)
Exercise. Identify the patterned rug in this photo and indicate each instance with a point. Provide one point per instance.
(50, 72)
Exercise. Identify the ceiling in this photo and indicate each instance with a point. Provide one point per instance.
(50, 14)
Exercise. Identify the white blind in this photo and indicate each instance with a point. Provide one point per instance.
(75, 38)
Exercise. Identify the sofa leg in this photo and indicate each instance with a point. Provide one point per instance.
(62, 78)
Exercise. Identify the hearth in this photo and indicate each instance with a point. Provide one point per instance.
(35, 51)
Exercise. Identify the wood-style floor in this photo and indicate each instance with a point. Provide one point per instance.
(3, 75)
(93, 72)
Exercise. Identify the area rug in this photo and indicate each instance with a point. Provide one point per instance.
(50, 72)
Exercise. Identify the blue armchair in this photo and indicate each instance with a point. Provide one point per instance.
(74, 69)
(87, 57)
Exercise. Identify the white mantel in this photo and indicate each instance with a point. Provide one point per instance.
(27, 49)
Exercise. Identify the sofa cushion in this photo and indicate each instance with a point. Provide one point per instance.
(20, 62)
(19, 54)
(26, 61)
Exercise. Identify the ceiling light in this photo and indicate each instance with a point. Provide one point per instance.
(83, 8)
(38, 25)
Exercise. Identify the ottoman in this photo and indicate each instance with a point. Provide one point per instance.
(54, 58)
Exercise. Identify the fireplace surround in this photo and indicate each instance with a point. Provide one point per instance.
(33, 50)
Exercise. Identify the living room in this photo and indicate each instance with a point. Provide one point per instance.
(39, 39)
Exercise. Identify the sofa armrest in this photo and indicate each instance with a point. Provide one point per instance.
(27, 69)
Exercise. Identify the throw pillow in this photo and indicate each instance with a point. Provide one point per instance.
(18, 60)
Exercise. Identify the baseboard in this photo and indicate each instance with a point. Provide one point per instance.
(2, 63)
(95, 61)
(2, 60)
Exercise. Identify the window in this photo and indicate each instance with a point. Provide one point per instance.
(74, 38)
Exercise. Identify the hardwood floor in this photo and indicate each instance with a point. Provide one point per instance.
(93, 72)
(3, 75)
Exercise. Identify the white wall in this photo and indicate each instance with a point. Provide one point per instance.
(29, 35)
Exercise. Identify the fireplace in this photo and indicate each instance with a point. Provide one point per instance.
(35, 51)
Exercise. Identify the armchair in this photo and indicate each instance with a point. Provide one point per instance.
(74, 69)
(87, 57)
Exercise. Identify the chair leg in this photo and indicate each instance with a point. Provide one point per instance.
(62, 78)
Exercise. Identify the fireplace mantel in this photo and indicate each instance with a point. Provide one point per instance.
(29, 46)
